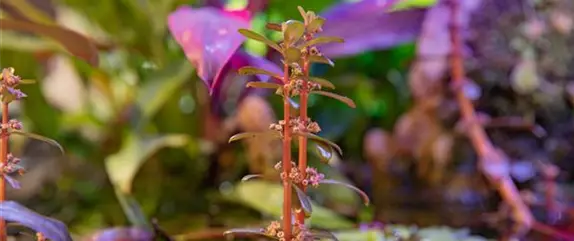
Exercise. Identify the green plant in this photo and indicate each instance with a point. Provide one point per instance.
(299, 51)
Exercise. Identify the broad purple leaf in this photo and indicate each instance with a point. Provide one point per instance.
(208, 36)
(368, 25)
(49, 227)
(124, 234)
(13, 182)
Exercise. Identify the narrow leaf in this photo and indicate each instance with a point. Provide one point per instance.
(322, 82)
(293, 103)
(246, 135)
(324, 151)
(318, 234)
(322, 40)
(319, 139)
(251, 176)
(30, 11)
(264, 85)
(250, 70)
(75, 43)
(302, 12)
(321, 59)
(51, 228)
(341, 98)
(244, 232)
(356, 189)
(40, 138)
(302, 201)
(255, 36)
(27, 81)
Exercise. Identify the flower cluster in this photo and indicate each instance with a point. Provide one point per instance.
(312, 176)
(274, 230)
(12, 165)
(297, 126)
(12, 124)
(8, 84)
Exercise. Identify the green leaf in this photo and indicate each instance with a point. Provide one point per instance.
(161, 86)
(407, 4)
(292, 54)
(293, 30)
(303, 13)
(249, 70)
(354, 235)
(302, 201)
(73, 42)
(250, 177)
(341, 98)
(322, 82)
(322, 40)
(323, 235)
(131, 208)
(324, 152)
(264, 85)
(39, 137)
(123, 166)
(319, 139)
(363, 195)
(27, 81)
(258, 37)
(321, 59)
(26, 43)
(315, 24)
(246, 135)
(267, 197)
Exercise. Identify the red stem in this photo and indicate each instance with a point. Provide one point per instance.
(287, 188)
(476, 133)
(4, 161)
(304, 95)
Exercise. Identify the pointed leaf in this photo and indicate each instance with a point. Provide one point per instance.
(316, 24)
(303, 13)
(319, 139)
(322, 40)
(51, 228)
(293, 103)
(359, 191)
(251, 176)
(250, 70)
(246, 135)
(75, 43)
(255, 36)
(30, 11)
(321, 59)
(292, 54)
(128, 233)
(27, 81)
(324, 151)
(264, 85)
(40, 138)
(244, 232)
(208, 36)
(302, 201)
(293, 30)
(322, 82)
(123, 166)
(341, 98)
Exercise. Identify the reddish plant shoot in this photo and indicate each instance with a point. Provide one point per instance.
(299, 51)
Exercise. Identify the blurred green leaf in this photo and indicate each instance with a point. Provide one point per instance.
(406, 4)
(267, 198)
(40, 138)
(30, 11)
(123, 166)
(354, 235)
(161, 86)
(20, 42)
(74, 43)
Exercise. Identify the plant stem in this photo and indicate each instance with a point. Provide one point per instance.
(476, 133)
(4, 161)
(304, 95)
(287, 188)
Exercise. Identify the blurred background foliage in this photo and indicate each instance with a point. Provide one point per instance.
(140, 125)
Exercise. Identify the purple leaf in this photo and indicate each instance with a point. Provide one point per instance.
(125, 234)
(208, 36)
(367, 25)
(49, 227)
(13, 182)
